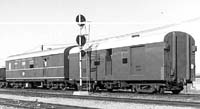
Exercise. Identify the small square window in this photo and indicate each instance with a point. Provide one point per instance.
(124, 60)
(97, 63)
(31, 66)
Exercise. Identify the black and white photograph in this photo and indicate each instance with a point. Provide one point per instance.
(99, 54)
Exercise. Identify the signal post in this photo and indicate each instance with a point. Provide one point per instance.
(81, 40)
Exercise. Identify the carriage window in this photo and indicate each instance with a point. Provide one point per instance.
(124, 60)
(15, 65)
(108, 55)
(124, 56)
(45, 62)
(23, 64)
(96, 63)
(31, 64)
(9, 66)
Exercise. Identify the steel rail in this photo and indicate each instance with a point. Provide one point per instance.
(112, 99)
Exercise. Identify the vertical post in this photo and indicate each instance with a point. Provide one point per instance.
(88, 69)
(42, 47)
(80, 19)
(88, 62)
(80, 62)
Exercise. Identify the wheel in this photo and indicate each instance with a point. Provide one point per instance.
(133, 90)
(1, 84)
(50, 86)
(63, 86)
(95, 88)
(161, 90)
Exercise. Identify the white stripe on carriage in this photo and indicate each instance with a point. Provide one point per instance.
(37, 78)
(36, 68)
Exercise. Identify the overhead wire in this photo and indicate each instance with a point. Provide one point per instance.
(126, 35)
(149, 30)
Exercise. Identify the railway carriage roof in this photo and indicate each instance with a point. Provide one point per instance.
(144, 38)
(100, 45)
(122, 42)
(36, 54)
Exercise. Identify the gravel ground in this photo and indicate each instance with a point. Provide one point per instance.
(90, 103)
(6, 107)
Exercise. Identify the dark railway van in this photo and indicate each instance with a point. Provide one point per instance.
(38, 69)
(141, 64)
(2, 77)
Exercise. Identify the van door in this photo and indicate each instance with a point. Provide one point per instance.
(137, 61)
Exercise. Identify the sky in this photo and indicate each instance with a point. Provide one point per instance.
(25, 25)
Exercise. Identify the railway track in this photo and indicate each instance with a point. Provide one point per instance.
(185, 100)
(36, 105)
